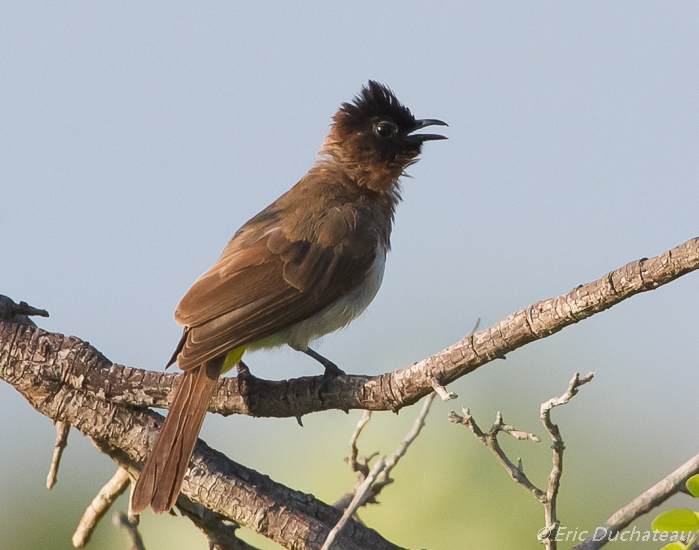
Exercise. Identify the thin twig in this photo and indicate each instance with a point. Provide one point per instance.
(441, 391)
(120, 519)
(548, 499)
(19, 313)
(490, 440)
(99, 506)
(360, 496)
(361, 465)
(62, 430)
(500, 426)
(641, 505)
(384, 479)
(358, 466)
(554, 481)
(572, 390)
(474, 329)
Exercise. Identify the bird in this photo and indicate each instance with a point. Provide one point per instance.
(305, 266)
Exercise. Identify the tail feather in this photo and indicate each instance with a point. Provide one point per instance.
(161, 478)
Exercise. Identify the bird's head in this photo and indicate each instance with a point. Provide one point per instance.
(374, 138)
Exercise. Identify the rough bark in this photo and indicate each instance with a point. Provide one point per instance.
(68, 380)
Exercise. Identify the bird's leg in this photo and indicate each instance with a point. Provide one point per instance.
(331, 369)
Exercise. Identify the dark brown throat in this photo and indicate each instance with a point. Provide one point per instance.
(367, 167)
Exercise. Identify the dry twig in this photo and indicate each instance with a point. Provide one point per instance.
(641, 505)
(68, 380)
(384, 478)
(361, 465)
(549, 497)
(490, 440)
(99, 506)
(120, 519)
(19, 313)
(62, 430)
(360, 497)
(549, 500)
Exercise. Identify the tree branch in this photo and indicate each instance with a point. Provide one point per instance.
(641, 505)
(69, 381)
(290, 518)
(390, 391)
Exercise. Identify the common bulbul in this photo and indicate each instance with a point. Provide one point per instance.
(305, 266)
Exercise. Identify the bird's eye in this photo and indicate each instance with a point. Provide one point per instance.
(386, 129)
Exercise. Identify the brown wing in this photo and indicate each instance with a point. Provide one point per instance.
(265, 282)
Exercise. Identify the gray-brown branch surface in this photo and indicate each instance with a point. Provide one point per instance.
(68, 380)
(50, 372)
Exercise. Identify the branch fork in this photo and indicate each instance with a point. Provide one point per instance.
(69, 381)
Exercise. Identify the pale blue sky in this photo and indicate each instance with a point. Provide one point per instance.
(136, 138)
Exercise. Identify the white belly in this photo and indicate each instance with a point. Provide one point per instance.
(335, 316)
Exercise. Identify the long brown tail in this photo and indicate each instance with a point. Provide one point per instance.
(161, 478)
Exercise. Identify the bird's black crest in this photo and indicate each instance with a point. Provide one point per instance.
(374, 101)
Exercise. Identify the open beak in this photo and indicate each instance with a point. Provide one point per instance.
(419, 124)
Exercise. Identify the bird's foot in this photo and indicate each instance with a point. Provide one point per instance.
(331, 369)
(243, 369)
(247, 382)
